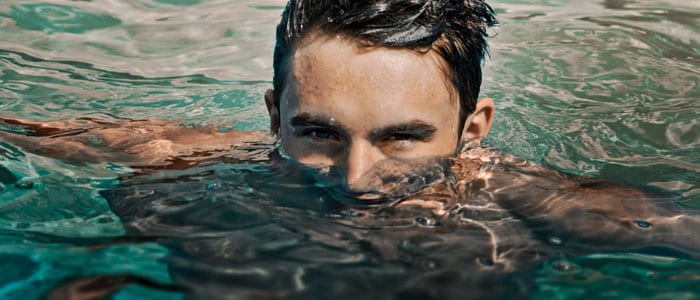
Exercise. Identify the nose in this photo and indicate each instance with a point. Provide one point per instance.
(361, 156)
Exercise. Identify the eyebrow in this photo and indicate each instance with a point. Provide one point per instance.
(416, 127)
(305, 119)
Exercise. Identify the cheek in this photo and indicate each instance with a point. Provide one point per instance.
(290, 143)
(302, 151)
(444, 143)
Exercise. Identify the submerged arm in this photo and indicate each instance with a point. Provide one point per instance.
(123, 141)
(584, 212)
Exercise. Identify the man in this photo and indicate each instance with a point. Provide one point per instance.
(377, 94)
(367, 88)
(355, 83)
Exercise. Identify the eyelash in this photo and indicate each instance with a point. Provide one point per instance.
(310, 133)
(404, 137)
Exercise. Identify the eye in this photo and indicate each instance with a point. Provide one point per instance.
(402, 137)
(321, 134)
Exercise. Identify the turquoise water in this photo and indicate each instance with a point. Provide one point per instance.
(603, 89)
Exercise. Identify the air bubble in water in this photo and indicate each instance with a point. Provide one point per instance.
(25, 184)
(642, 224)
(555, 241)
(427, 221)
(351, 213)
(95, 140)
(564, 266)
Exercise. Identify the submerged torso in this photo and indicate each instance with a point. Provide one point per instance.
(265, 226)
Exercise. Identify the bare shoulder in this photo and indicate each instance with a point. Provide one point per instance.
(585, 210)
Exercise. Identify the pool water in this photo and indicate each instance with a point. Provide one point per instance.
(606, 89)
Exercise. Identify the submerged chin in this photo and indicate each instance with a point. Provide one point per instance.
(389, 180)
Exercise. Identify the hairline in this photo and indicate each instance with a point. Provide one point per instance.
(434, 53)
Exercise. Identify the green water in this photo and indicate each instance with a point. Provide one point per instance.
(603, 89)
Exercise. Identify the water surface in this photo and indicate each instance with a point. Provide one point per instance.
(602, 89)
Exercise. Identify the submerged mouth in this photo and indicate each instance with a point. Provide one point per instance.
(386, 183)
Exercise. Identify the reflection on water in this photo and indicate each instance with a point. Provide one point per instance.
(604, 89)
(603, 92)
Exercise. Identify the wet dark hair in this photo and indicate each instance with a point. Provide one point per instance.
(456, 29)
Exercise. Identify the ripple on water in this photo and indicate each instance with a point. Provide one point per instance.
(53, 18)
(606, 92)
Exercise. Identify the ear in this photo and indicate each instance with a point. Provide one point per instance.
(477, 125)
(273, 110)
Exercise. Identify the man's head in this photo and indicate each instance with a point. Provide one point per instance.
(360, 81)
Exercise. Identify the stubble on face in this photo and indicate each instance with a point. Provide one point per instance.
(382, 103)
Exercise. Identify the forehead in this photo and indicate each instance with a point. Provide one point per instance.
(347, 59)
(334, 68)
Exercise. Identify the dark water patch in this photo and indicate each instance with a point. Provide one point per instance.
(604, 90)
(618, 276)
(6, 176)
(266, 235)
(15, 268)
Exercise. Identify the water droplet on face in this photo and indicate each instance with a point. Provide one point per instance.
(564, 267)
(555, 241)
(212, 186)
(642, 224)
(427, 221)
(248, 190)
(25, 184)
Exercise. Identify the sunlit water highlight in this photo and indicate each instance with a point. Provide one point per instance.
(604, 89)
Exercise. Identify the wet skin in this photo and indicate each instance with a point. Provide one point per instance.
(354, 108)
(351, 106)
